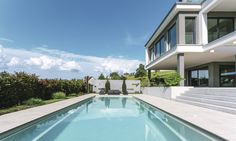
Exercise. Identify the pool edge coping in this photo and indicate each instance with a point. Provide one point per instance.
(177, 115)
(15, 127)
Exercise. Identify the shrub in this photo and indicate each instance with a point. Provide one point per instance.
(34, 101)
(19, 87)
(59, 95)
(107, 86)
(166, 79)
(124, 87)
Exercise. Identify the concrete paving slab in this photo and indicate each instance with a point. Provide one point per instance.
(16, 119)
(216, 122)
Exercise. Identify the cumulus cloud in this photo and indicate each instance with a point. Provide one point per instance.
(44, 62)
(71, 65)
(55, 62)
(13, 62)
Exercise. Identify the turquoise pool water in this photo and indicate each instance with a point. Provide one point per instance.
(111, 119)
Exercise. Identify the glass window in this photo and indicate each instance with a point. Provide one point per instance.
(157, 50)
(194, 78)
(163, 45)
(227, 76)
(199, 78)
(212, 30)
(219, 27)
(225, 26)
(190, 31)
(152, 55)
(172, 37)
(203, 77)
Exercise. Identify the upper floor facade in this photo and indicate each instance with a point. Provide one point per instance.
(192, 26)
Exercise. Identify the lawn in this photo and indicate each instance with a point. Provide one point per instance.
(27, 106)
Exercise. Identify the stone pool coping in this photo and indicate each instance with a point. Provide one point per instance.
(16, 119)
(216, 122)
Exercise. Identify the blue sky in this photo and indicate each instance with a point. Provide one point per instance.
(73, 38)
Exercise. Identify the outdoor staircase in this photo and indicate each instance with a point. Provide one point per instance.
(221, 99)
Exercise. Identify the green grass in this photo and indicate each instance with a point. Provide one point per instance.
(27, 106)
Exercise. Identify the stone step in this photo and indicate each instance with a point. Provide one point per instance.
(215, 93)
(209, 106)
(228, 90)
(209, 101)
(213, 97)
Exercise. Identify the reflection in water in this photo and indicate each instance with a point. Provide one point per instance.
(107, 102)
(87, 106)
(124, 100)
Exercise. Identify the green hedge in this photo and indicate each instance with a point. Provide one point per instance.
(19, 87)
(166, 79)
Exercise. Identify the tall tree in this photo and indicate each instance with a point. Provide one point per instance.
(101, 77)
(115, 76)
(140, 71)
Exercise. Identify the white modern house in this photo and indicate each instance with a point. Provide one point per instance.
(198, 39)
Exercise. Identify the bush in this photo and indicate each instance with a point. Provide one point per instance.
(59, 95)
(34, 101)
(107, 86)
(19, 87)
(166, 79)
(124, 88)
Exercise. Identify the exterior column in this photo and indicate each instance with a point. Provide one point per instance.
(147, 56)
(149, 77)
(203, 36)
(180, 67)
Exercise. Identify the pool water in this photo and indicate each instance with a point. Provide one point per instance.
(111, 119)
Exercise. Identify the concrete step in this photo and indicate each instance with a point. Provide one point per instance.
(214, 93)
(209, 101)
(213, 97)
(209, 106)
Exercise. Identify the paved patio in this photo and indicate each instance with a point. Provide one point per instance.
(219, 123)
(16, 119)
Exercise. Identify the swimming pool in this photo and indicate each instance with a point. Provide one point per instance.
(111, 119)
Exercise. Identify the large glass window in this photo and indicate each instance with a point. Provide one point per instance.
(157, 50)
(163, 45)
(190, 30)
(152, 54)
(227, 76)
(219, 27)
(172, 37)
(199, 77)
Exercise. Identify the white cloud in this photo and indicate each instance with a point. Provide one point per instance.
(71, 65)
(53, 63)
(6, 40)
(13, 62)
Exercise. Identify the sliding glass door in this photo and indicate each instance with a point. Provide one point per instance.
(199, 77)
(227, 76)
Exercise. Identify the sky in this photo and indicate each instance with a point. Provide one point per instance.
(74, 38)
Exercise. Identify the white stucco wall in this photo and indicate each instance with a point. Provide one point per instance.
(133, 86)
(165, 92)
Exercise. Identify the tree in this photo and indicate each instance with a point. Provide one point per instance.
(140, 71)
(115, 76)
(107, 86)
(124, 87)
(101, 77)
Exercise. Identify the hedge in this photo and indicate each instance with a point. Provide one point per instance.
(20, 86)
